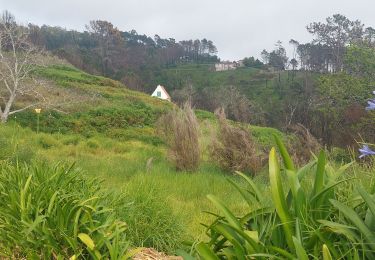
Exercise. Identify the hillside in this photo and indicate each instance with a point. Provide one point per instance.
(109, 132)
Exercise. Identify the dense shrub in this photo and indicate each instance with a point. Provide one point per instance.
(55, 213)
(179, 128)
(234, 148)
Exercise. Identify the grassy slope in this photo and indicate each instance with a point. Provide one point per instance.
(110, 134)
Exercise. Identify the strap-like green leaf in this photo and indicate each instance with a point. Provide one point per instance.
(326, 253)
(278, 197)
(319, 176)
(205, 252)
(368, 199)
(253, 186)
(300, 251)
(86, 239)
(225, 211)
(284, 153)
(357, 221)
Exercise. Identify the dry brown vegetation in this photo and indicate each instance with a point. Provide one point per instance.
(304, 145)
(179, 128)
(152, 254)
(233, 148)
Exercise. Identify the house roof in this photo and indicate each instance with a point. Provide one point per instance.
(165, 91)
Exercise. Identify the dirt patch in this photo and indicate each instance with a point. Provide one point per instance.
(152, 254)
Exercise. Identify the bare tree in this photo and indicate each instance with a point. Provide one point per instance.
(18, 57)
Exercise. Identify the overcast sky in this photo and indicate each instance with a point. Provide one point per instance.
(238, 28)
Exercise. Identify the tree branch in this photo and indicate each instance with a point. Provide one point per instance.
(22, 109)
(7, 85)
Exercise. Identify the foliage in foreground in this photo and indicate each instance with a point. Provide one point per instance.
(50, 213)
(320, 222)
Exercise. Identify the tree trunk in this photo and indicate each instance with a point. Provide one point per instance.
(3, 118)
(5, 114)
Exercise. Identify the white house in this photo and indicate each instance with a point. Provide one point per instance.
(228, 65)
(161, 93)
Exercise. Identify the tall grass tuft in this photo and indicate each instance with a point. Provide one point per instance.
(234, 148)
(179, 128)
(55, 213)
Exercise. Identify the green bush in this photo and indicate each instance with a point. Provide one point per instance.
(55, 213)
(304, 218)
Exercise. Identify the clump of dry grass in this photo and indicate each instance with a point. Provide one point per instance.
(152, 254)
(233, 148)
(180, 130)
(306, 144)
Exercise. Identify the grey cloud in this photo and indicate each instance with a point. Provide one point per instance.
(239, 28)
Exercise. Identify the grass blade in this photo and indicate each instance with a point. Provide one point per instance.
(253, 186)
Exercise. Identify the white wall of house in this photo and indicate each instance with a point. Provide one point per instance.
(161, 93)
(225, 66)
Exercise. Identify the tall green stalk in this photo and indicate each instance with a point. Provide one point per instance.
(37, 123)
